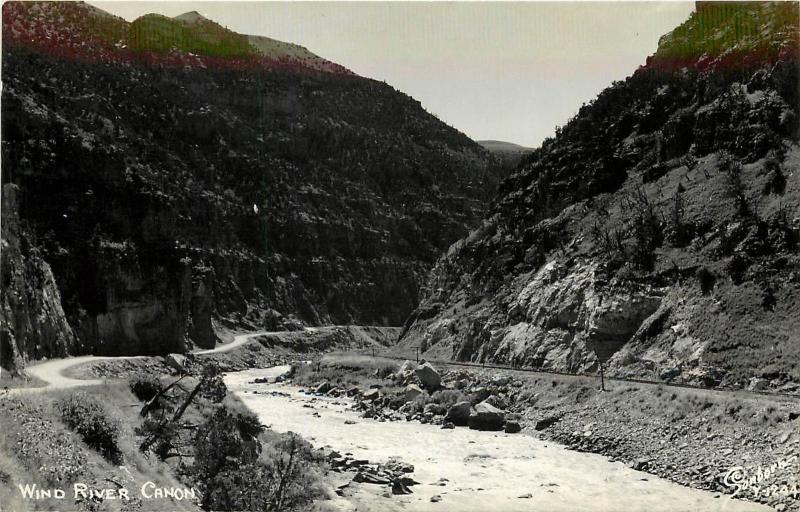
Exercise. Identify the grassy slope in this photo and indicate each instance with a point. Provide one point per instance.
(37, 448)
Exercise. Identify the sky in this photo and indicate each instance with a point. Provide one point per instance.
(509, 71)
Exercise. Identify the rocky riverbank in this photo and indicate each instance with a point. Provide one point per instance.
(457, 469)
(695, 438)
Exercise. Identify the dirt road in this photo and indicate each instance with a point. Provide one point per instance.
(52, 371)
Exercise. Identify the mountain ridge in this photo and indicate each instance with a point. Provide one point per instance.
(201, 190)
(674, 193)
(187, 40)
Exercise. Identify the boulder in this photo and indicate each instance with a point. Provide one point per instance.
(331, 454)
(434, 409)
(500, 380)
(323, 388)
(669, 374)
(462, 384)
(496, 401)
(448, 425)
(512, 427)
(757, 384)
(176, 361)
(546, 422)
(428, 377)
(406, 367)
(486, 417)
(399, 487)
(372, 394)
(479, 394)
(458, 413)
(397, 466)
(411, 392)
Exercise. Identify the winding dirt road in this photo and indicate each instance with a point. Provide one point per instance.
(52, 372)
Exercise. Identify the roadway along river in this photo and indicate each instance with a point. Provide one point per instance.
(485, 470)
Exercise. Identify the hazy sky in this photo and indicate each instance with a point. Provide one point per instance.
(505, 71)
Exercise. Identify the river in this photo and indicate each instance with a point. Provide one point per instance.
(484, 470)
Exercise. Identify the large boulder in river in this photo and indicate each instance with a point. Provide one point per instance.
(458, 413)
(428, 377)
(486, 417)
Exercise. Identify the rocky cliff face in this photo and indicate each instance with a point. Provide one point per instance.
(32, 323)
(174, 177)
(657, 230)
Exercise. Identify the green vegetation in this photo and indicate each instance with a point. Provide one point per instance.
(716, 27)
(157, 33)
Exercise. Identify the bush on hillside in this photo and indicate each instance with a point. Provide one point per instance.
(145, 386)
(87, 417)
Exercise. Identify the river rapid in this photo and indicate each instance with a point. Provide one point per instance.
(483, 470)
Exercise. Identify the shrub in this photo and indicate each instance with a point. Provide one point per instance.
(144, 386)
(84, 415)
(732, 171)
(647, 230)
(239, 467)
(706, 280)
(775, 183)
(737, 267)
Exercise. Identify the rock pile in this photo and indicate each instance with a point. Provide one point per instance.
(427, 397)
(393, 473)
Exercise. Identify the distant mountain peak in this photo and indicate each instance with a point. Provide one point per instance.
(79, 30)
(500, 145)
(192, 18)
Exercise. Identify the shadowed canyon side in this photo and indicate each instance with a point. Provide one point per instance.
(658, 229)
(172, 174)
